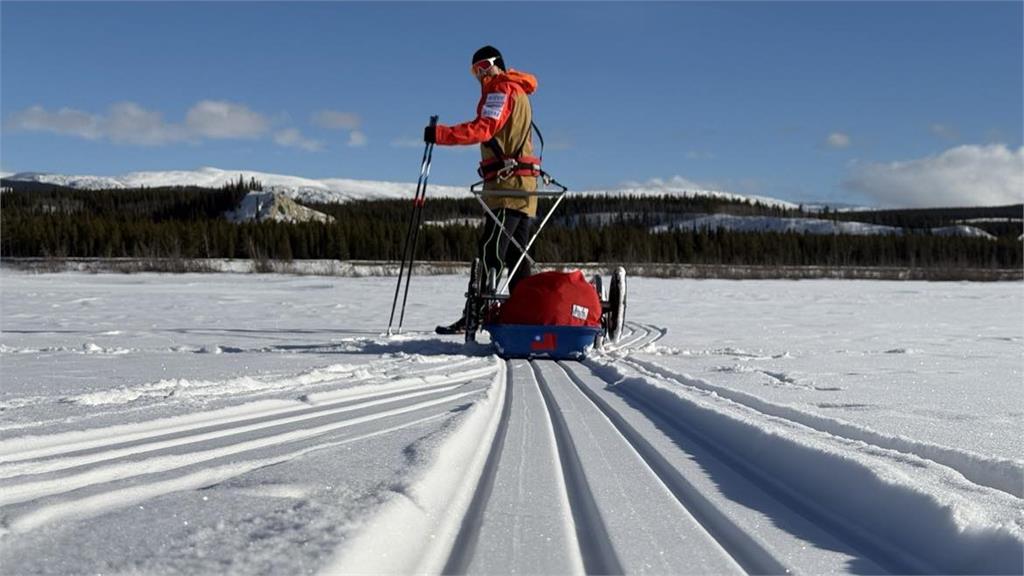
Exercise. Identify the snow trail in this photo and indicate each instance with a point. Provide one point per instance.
(999, 473)
(33, 489)
(913, 515)
(342, 450)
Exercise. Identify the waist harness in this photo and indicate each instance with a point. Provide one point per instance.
(503, 167)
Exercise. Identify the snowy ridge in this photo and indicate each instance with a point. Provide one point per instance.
(308, 189)
(805, 226)
(336, 189)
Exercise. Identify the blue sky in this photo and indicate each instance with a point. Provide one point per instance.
(875, 102)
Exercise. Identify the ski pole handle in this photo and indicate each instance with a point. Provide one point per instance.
(433, 120)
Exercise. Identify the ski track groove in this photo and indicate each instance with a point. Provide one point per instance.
(1001, 475)
(100, 503)
(106, 470)
(595, 545)
(112, 437)
(469, 532)
(151, 464)
(881, 553)
(750, 555)
(139, 456)
(387, 368)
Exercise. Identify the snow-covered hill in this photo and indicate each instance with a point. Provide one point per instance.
(261, 206)
(308, 189)
(335, 189)
(804, 226)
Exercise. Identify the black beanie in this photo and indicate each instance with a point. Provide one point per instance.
(489, 52)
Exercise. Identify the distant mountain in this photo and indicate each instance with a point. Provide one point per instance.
(335, 189)
(804, 226)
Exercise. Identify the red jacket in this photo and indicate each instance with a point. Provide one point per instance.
(497, 101)
(503, 113)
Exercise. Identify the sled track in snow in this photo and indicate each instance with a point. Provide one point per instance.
(587, 471)
(750, 554)
(612, 449)
(870, 530)
(732, 548)
(595, 545)
(1004, 475)
(80, 474)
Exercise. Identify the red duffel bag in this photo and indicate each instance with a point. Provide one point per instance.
(553, 299)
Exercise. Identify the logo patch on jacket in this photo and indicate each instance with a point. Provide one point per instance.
(580, 312)
(493, 105)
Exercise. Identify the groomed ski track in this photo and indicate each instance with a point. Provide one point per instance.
(611, 465)
(588, 470)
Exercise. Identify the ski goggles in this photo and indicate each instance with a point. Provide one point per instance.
(482, 66)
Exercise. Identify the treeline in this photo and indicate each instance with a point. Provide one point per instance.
(996, 220)
(188, 223)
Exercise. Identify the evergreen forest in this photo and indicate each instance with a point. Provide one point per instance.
(38, 220)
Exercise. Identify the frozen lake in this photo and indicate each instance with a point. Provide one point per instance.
(95, 367)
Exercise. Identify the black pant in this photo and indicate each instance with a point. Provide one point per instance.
(497, 253)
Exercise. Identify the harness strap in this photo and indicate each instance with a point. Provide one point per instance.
(504, 167)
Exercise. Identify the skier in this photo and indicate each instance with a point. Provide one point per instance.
(503, 128)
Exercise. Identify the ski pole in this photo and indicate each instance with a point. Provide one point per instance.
(408, 236)
(416, 231)
(416, 206)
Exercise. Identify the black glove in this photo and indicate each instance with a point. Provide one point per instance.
(430, 134)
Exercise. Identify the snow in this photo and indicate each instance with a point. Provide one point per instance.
(335, 189)
(260, 206)
(203, 423)
(962, 230)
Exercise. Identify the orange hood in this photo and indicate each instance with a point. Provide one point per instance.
(526, 81)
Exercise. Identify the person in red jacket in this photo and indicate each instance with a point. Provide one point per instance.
(502, 128)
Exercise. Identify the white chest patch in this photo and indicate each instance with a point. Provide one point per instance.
(580, 312)
(494, 103)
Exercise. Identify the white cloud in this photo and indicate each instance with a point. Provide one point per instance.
(130, 123)
(219, 119)
(356, 139)
(967, 175)
(944, 131)
(64, 121)
(292, 138)
(335, 120)
(838, 140)
(125, 122)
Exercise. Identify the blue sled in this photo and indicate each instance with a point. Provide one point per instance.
(537, 341)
